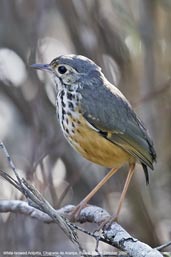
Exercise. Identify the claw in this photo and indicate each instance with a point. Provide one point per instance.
(74, 215)
(106, 223)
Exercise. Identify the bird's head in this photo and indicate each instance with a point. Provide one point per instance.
(69, 69)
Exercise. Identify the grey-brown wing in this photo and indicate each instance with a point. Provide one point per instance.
(107, 110)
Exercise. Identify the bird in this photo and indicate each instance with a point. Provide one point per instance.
(98, 121)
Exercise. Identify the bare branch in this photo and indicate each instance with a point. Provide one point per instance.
(115, 235)
(11, 164)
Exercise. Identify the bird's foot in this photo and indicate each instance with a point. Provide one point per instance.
(107, 223)
(74, 215)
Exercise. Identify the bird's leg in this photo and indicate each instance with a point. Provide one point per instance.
(125, 189)
(83, 203)
(121, 200)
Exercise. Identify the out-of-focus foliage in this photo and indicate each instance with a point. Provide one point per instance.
(131, 41)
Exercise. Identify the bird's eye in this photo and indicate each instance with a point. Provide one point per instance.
(62, 69)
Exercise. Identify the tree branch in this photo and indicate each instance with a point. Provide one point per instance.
(115, 235)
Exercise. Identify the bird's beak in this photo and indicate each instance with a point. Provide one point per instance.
(45, 67)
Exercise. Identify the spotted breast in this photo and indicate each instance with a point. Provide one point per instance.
(68, 112)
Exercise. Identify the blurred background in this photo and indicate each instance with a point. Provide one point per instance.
(131, 41)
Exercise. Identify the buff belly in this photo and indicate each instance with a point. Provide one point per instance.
(94, 147)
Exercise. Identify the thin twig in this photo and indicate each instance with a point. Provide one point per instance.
(10, 180)
(10, 161)
(161, 247)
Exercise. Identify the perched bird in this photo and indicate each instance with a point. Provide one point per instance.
(98, 121)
